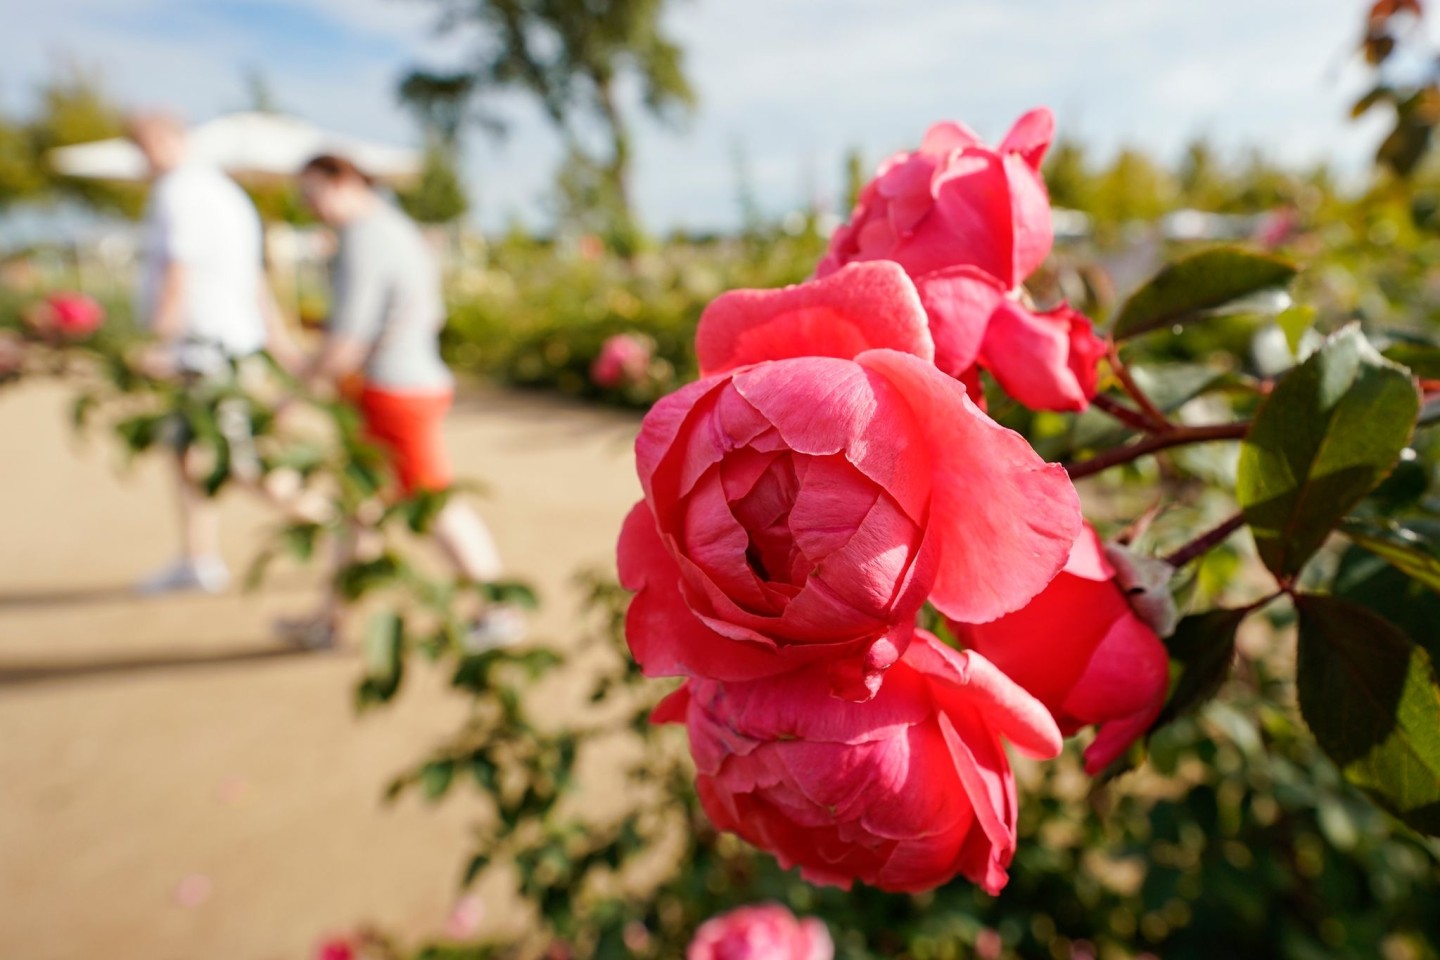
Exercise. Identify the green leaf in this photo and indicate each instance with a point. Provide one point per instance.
(1372, 97)
(383, 650)
(436, 777)
(364, 576)
(472, 870)
(1326, 436)
(1423, 359)
(299, 539)
(1203, 647)
(514, 592)
(1370, 696)
(1402, 548)
(1205, 283)
(1294, 323)
(1372, 582)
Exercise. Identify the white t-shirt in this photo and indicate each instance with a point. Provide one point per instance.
(199, 217)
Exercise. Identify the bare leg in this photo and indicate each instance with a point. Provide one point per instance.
(199, 517)
(467, 542)
(199, 566)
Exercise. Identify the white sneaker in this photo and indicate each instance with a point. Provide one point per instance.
(502, 625)
(204, 574)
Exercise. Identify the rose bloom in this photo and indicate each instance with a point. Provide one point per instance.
(903, 793)
(624, 359)
(765, 931)
(1081, 650)
(969, 223)
(74, 314)
(336, 948)
(805, 498)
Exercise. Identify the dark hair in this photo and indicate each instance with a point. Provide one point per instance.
(334, 167)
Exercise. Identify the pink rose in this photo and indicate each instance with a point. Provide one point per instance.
(969, 224)
(336, 948)
(805, 498)
(766, 931)
(74, 314)
(903, 793)
(623, 359)
(956, 201)
(1081, 650)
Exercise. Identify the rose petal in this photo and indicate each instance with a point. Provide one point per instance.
(860, 307)
(1031, 136)
(1010, 518)
(1030, 355)
(664, 634)
(959, 302)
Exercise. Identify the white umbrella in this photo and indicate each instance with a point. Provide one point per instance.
(247, 146)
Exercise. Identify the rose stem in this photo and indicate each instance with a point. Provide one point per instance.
(1173, 437)
(1147, 407)
(1118, 410)
(1206, 542)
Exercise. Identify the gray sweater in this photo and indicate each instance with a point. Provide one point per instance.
(387, 294)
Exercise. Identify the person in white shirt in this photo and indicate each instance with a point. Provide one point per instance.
(204, 298)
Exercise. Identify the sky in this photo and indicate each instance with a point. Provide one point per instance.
(789, 85)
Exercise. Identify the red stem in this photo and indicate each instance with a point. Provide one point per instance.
(1173, 437)
(1206, 542)
(1152, 413)
(1131, 418)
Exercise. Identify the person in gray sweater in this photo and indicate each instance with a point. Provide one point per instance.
(381, 351)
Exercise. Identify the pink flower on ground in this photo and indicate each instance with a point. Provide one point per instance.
(903, 793)
(336, 948)
(805, 498)
(1081, 650)
(969, 223)
(624, 359)
(465, 917)
(74, 315)
(765, 931)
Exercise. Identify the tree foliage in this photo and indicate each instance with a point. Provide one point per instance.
(572, 57)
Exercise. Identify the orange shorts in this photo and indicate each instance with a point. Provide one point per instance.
(408, 427)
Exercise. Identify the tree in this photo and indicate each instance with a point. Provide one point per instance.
(438, 196)
(570, 55)
(73, 108)
(20, 176)
(1203, 182)
(1068, 176)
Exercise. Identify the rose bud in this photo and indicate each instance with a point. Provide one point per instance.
(1082, 651)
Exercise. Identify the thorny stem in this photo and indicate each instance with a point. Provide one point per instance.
(1172, 437)
(1156, 417)
(1206, 542)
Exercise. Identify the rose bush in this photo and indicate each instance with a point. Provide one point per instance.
(765, 931)
(903, 793)
(969, 223)
(1082, 651)
(819, 483)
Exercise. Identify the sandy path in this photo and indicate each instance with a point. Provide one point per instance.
(144, 743)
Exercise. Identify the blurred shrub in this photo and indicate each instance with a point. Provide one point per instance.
(537, 314)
